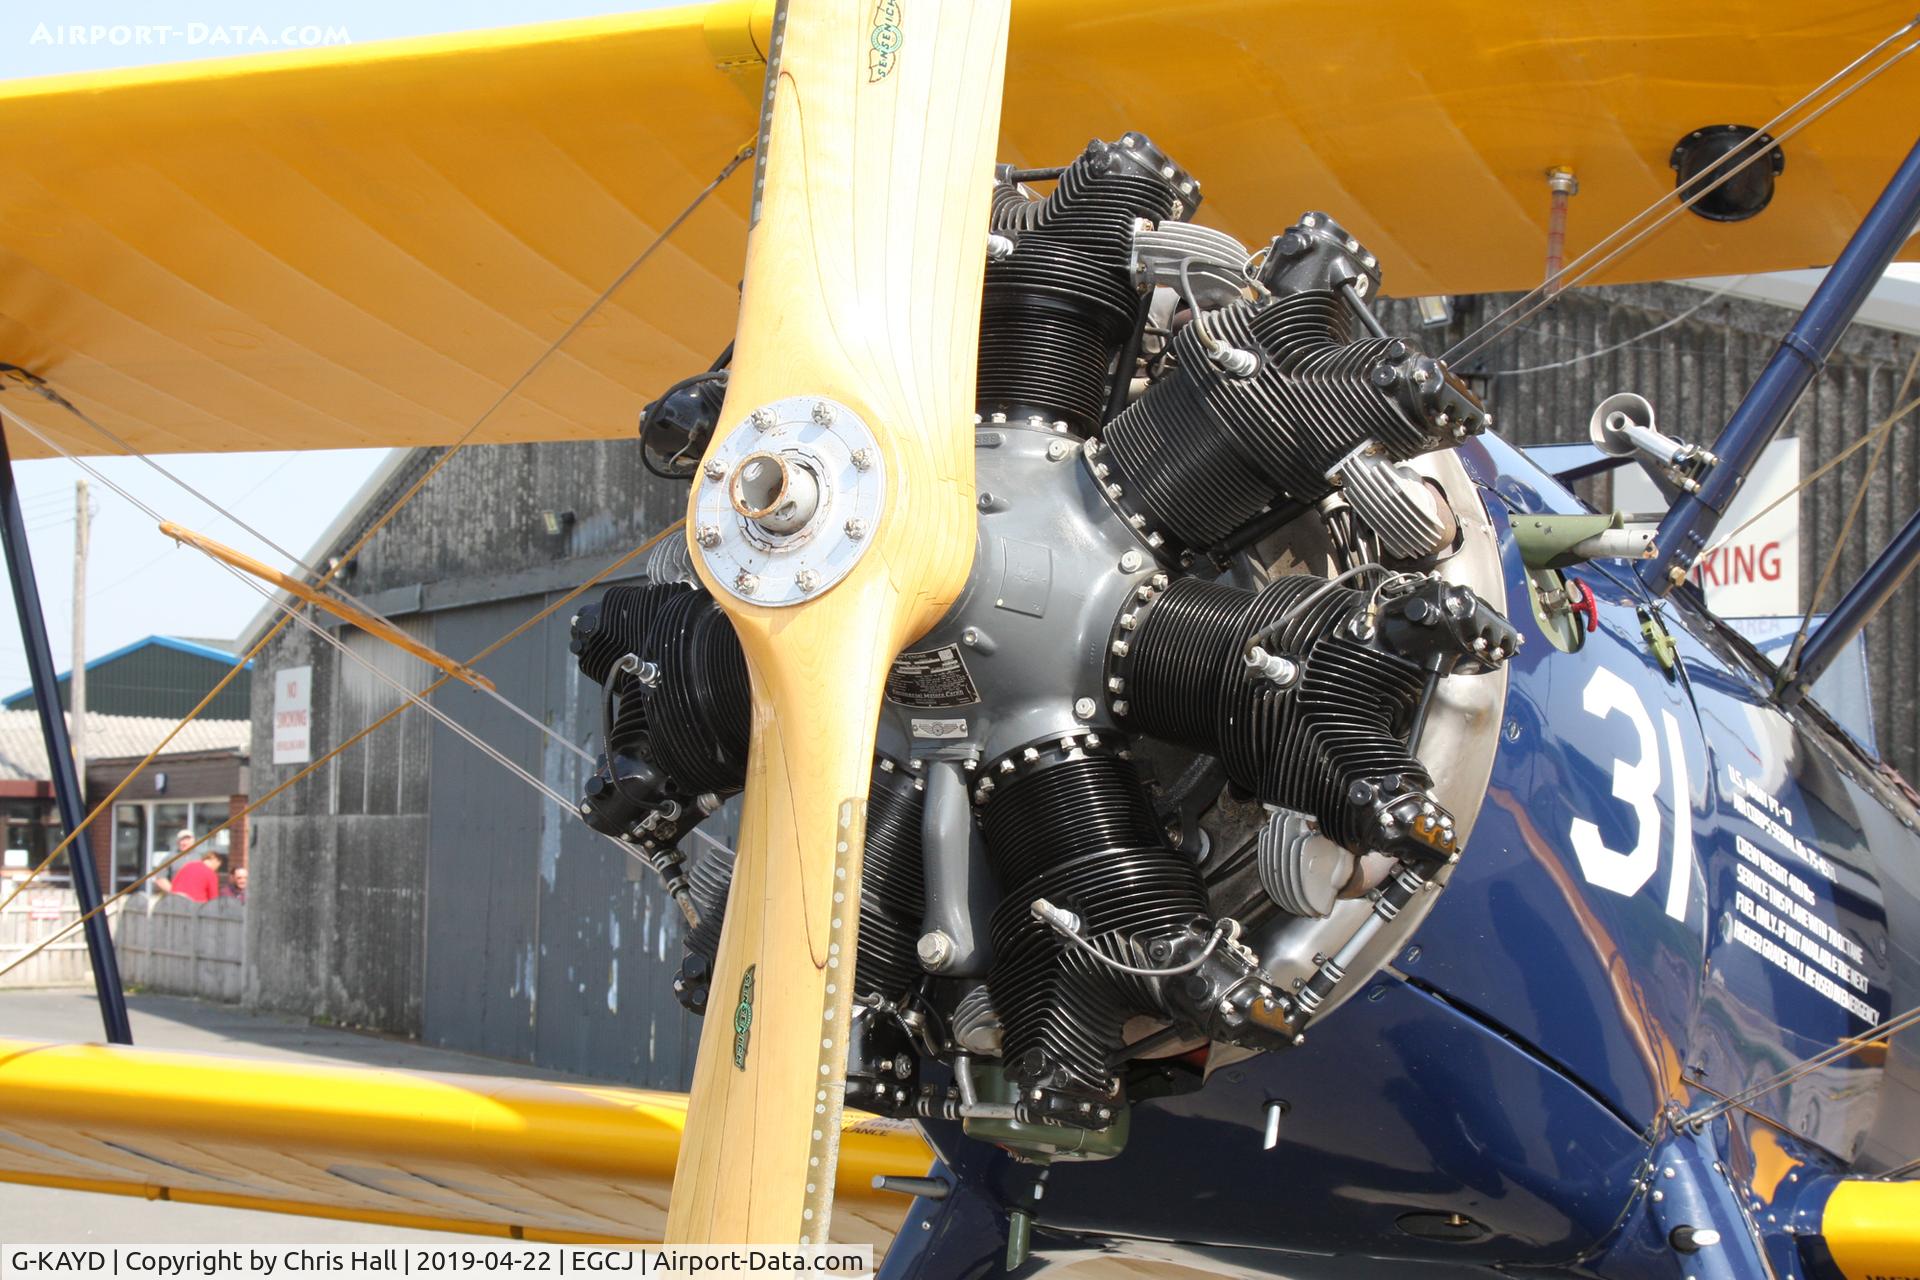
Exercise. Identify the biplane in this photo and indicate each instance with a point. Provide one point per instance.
(1203, 792)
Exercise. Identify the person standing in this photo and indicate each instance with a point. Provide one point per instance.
(182, 841)
(199, 881)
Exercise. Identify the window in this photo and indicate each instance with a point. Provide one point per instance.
(146, 833)
(129, 843)
(29, 838)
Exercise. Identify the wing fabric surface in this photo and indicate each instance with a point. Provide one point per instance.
(524, 1158)
(364, 245)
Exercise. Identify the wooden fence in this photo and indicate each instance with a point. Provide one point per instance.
(179, 947)
(33, 917)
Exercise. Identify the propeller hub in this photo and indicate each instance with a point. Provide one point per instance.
(780, 496)
(777, 493)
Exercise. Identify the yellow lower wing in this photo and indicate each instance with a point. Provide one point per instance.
(519, 1158)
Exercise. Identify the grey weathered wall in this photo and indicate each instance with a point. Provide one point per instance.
(415, 885)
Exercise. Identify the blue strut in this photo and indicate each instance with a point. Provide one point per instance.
(53, 728)
(1690, 522)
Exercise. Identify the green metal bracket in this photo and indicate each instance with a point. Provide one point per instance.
(1040, 1143)
(1554, 542)
(1665, 651)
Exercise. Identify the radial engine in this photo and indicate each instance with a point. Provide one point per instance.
(1201, 741)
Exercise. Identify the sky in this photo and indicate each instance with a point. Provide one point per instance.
(139, 583)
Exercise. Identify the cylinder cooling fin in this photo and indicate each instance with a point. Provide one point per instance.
(1060, 301)
(892, 897)
(1204, 453)
(1069, 823)
(675, 710)
(1200, 742)
(1330, 738)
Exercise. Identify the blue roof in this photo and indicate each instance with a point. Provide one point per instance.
(165, 642)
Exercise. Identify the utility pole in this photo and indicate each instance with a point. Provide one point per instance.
(77, 682)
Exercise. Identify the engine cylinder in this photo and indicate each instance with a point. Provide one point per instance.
(1072, 825)
(1056, 310)
(1204, 453)
(677, 718)
(1332, 744)
(892, 897)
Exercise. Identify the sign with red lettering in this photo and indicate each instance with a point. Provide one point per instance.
(1756, 572)
(293, 715)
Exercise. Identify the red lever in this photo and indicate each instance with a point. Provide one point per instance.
(1586, 604)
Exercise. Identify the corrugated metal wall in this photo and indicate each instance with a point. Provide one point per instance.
(418, 887)
(154, 680)
(1544, 379)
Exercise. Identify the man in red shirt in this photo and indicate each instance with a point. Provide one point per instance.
(197, 881)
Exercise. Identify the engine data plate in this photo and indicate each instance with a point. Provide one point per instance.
(830, 452)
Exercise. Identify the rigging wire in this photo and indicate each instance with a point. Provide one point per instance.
(1792, 662)
(53, 396)
(1544, 295)
(1806, 1066)
(40, 387)
(1879, 429)
(539, 725)
(301, 615)
(256, 487)
(1637, 338)
(535, 620)
(726, 171)
(741, 156)
(48, 392)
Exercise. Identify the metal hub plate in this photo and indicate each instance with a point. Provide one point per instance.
(839, 454)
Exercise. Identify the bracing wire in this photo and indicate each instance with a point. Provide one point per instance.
(1624, 343)
(1792, 662)
(1806, 1066)
(539, 726)
(726, 171)
(1879, 430)
(1606, 251)
(309, 770)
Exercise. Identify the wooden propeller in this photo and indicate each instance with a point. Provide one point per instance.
(862, 291)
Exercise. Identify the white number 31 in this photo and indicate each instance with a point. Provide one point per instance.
(1636, 783)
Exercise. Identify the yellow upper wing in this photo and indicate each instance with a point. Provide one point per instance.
(459, 1153)
(365, 245)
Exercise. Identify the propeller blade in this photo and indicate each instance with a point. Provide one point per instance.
(834, 521)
